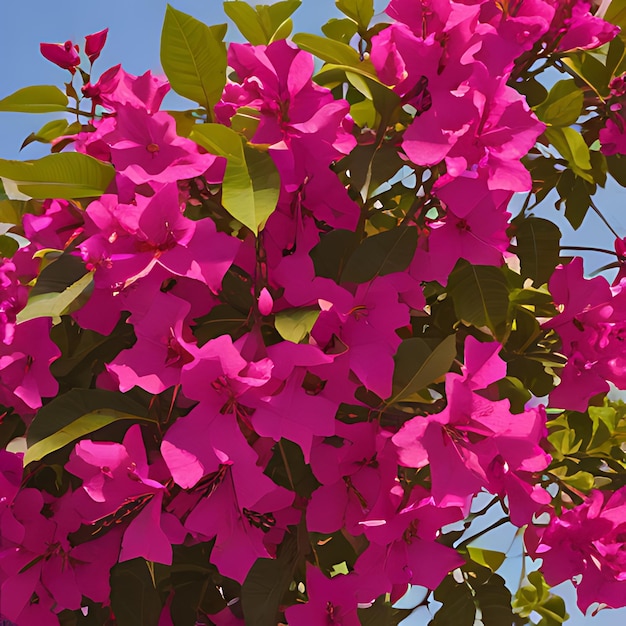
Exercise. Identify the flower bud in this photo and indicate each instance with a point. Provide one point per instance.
(94, 44)
(65, 55)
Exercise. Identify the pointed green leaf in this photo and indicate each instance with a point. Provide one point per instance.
(251, 183)
(8, 246)
(494, 601)
(480, 295)
(381, 254)
(261, 24)
(54, 304)
(361, 11)
(486, 558)
(295, 324)
(417, 366)
(134, 598)
(342, 29)
(35, 99)
(65, 175)
(538, 242)
(193, 56)
(333, 51)
(563, 105)
(573, 149)
(75, 414)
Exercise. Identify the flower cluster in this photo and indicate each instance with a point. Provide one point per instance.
(264, 411)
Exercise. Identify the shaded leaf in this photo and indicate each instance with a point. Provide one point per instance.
(381, 613)
(56, 304)
(35, 99)
(381, 254)
(417, 366)
(494, 600)
(134, 599)
(193, 56)
(458, 604)
(65, 175)
(63, 410)
(480, 295)
(538, 242)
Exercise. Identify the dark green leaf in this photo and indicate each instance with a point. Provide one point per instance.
(480, 295)
(617, 168)
(65, 175)
(193, 56)
(266, 583)
(8, 246)
(538, 242)
(35, 99)
(381, 613)
(329, 255)
(494, 601)
(417, 366)
(76, 414)
(222, 320)
(381, 254)
(458, 604)
(134, 599)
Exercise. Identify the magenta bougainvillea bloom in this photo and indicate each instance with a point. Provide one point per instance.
(584, 544)
(591, 326)
(94, 44)
(65, 55)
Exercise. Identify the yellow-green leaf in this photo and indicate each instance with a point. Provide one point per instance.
(295, 324)
(63, 175)
(193, 56)
(251, 182)
(35, 99)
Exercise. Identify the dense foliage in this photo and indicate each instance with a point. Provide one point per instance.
(264, 360)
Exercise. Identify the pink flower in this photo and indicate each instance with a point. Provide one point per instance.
(585, 544)
(65, 55)
(94, 44)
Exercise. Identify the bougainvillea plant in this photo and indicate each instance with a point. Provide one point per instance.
(275, 359)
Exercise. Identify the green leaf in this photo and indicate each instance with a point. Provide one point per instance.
(486, 558)
(8, 246)
(617, 168)
(563, 105)
(382, 613)
(538, 242)
(494, 600)
(261, 24)
(417, 366)
(134, 599)
(65, 175)
(591, 70)
(295, 324)
(193, 56)
(480, 295)
(52, 130)
(458, 604)
(381, 254)
(80, 427)
(266, 583)
(251, 183)
(341, 29)
(361, 11)
(35, 99)
(572, 148)
(335, 52)
(75, 414)
(616, 14)
(56, 304)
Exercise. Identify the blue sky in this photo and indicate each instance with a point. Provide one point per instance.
(134, 33)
